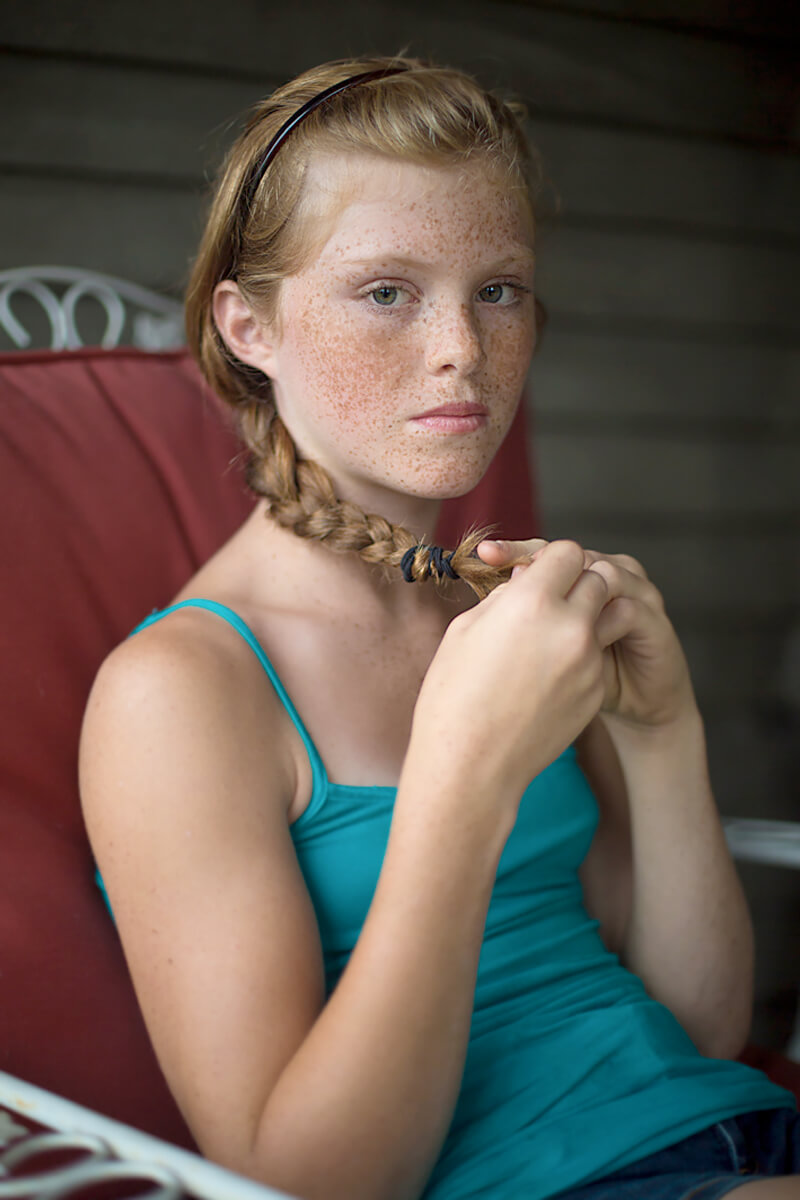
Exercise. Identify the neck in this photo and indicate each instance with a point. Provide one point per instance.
(417, 514)
(310, 575)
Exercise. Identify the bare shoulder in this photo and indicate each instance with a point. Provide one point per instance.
(184, 690)
(185, 781)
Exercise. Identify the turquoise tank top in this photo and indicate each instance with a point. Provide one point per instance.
(572, 1070)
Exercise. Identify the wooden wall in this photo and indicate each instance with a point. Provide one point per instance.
(665, 394)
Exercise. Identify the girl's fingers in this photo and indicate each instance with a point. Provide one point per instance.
(589, 593)
(556, 569)
(566, 563)
(500, 553)
(624, 561)
(619, 580)
(616, 621)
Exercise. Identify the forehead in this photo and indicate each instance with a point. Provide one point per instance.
(367, 205)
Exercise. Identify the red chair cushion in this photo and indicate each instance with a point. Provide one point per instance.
(116, 484)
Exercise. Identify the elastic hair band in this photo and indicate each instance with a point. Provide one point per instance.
(438, 561)
(443, 564)
(260, 168)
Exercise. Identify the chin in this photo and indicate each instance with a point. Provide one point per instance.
(449, 488)
(461, 479)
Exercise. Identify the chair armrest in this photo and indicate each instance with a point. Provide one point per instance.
(771, 842)
(36, 1125)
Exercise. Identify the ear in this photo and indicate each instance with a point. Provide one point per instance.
(242, 331)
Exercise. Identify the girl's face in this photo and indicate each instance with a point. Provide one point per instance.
(403, 346)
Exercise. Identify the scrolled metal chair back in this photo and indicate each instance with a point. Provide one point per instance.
(129, 314)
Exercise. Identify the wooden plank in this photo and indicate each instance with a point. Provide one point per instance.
(663, 277)
(729, 670)
(752, 767)
(663, 479)
(774, 20)
(143, 234)
(656, 386)
(105, 118)
(563, 62)
(108, 119)
(638, 178)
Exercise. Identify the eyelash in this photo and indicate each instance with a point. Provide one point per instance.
(518, 288)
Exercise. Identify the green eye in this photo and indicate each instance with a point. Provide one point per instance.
(385, 296)
(493, 292)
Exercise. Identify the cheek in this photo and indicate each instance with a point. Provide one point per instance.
(344, 362)
(508, 346)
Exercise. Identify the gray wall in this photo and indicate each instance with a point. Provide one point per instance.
(664, 398)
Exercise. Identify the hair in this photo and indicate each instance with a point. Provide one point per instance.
(425, 114)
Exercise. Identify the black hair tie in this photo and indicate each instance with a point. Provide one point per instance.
(407, 562)
(443, 564)
(438, 561)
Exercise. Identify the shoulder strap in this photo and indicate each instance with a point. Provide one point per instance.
(242, 628)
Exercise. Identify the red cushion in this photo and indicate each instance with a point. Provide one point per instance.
(105, 462)
(781, 1070)
(115, 485)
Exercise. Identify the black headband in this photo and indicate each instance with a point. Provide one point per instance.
(257, 174)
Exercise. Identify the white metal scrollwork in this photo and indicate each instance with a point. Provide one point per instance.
(99, 1152)
(156, 322)
(96, 1164)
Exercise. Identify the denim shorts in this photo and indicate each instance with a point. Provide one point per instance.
(709, 1164)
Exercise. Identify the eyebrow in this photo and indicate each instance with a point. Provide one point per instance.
(524, 257)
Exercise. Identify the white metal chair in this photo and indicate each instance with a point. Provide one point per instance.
(100, 1152)
(133, 315)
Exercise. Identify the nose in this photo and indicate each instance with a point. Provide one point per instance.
(454, 341)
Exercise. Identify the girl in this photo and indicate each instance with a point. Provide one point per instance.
(379, 946)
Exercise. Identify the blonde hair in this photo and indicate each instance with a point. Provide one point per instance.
(423, 114)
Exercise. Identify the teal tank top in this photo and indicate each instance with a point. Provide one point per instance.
(572, 1069)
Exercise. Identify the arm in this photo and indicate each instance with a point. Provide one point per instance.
(660, 880)
(688, 935)
(186, 786)
(187, 815)
(659, 876)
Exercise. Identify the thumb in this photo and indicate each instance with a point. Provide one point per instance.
(501, 553)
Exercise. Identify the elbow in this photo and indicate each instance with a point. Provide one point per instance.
(727, 1043)
(316, 1169)
(726, 1035)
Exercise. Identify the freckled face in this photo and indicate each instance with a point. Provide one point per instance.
(421, 298)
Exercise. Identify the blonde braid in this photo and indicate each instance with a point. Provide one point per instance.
(300, 496)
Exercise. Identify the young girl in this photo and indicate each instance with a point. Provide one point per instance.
(375, 916)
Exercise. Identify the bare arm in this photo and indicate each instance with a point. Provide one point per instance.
(699, 967)
(659, 876)
(188, 824)
(186, 792)
(688, 934)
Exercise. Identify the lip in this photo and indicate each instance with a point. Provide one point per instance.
(454, 419)
(454, 410)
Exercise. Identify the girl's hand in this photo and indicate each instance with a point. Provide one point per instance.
(645, 674)
(517, 677)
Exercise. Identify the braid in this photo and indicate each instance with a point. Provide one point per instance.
(300, 496)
